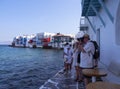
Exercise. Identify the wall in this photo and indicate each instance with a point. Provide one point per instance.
(110, 51)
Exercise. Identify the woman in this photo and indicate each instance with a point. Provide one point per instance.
(76, 61)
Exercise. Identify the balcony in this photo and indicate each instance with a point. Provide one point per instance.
(83, 24)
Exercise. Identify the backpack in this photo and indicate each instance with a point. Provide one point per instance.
(96, 54)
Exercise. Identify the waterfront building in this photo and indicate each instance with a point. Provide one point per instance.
(32, 41)
(104, 27)
(20, 41)
(59, 40)
(39, 37)
(43, 40)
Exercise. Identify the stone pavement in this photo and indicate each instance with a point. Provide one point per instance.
(62, 81)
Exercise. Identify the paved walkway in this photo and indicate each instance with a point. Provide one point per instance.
(62, 81)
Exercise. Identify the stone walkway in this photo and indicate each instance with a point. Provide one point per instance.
(62, 81)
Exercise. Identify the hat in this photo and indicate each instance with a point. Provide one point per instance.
(79, 34)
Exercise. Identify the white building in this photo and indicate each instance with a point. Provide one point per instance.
(40, 37)
(31, 40)
(43, 39)
(104, 27)
(20, 41)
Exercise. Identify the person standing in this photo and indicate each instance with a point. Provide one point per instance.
(65, 54)
(87, 52)
(68, 60)
(76, 60)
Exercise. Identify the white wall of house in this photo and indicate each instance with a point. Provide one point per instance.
(109, 45)
(109, 48)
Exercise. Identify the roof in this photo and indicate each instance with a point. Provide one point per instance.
(60, 35)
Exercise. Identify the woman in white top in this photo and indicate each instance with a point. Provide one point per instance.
(76, 60)
(75, 54)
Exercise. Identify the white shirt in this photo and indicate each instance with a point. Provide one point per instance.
(69, 56)
(87, 56)
(65, 51)
(75, 55)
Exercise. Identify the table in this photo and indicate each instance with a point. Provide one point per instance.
(97, 72)
(102, 85)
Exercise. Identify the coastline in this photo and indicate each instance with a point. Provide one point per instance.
(61, 80)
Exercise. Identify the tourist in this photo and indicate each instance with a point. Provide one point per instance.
(68, 60)
(76, 60)
(65, 54)
(86, 55)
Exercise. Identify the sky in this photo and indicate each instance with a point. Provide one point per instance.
(19, 17)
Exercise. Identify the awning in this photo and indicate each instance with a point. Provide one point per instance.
(87, 9)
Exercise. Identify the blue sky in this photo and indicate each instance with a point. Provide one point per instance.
(19, 17)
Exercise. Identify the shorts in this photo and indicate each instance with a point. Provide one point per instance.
(84, 76)
(65, 59)
(69, 61)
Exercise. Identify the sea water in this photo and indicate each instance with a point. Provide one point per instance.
(28, 68)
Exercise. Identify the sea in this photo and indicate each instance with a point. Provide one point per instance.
(28, 68)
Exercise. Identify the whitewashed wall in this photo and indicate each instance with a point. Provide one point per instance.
(110, 50)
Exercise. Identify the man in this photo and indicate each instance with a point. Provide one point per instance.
(87, 52)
